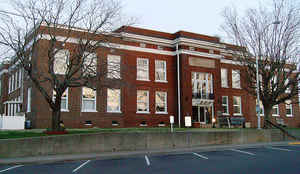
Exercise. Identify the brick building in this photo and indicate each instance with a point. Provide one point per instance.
(180, 74)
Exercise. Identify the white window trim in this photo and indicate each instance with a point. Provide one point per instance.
(289, 115)
(276, 115)
(166, 99)
(148, 104)
(165, 71)
(116, 111)
(148, 79)
(237, 114)
(226, 105)
(225, 86)
(236, 70)
(82, 99)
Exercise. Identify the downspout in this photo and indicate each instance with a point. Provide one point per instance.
(178, 87)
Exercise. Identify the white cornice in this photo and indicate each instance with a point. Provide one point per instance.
(140, 49)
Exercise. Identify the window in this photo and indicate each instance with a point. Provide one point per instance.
(113, 100)
(29, 100)
(9, 84)
(261, 106)
(275, 110)
(113, 67)
(192, 48)
(224, 79)
(20, 78)
(202, 84)
(142, 101)
(160, 70)
(142, 69)
(236, 81)
(143, 45)
(64, 100)
(225, 105)
(61, 61)
(160, 47)
(17, 79)
(289, 110)
(13, 82)
(89, 67)
(237, 105)
(288, 89)
(161, 102)
(88, 100)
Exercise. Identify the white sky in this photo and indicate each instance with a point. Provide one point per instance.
(198, 16)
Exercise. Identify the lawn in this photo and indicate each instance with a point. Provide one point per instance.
(7, 134)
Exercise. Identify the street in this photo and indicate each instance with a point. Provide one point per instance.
(283, 159)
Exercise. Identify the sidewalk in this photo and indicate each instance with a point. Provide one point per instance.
(110, 155)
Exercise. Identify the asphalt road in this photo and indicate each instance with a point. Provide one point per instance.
(261, 160)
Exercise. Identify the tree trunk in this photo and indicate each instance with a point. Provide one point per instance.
(267, 113)
(56, 120)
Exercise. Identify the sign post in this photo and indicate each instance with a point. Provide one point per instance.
(172, 122)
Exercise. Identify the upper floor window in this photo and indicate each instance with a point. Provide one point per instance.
(64, 100)
(202, 84)
(236, 80)
(113, 67)
(289, 109)
(261, 107)
(237, 105)
(89, 67)
(142, 69)
(160, 102)
(224, 78)
(142, 101)
(160, 70)
(225, 105)
(61, 61)
(286, 83)
(275, 110)
(88, 99)
(113, 100)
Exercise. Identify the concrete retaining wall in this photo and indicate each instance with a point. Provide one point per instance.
(110, 142)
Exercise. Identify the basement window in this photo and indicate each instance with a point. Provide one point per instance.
(115, 123)
(88, 123)
(162, 124)
(143, 123)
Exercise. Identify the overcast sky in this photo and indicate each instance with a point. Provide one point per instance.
(199, 16)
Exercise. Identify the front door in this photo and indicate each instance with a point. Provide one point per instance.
(200, 114)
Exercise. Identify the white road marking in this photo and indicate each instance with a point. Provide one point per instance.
(276, 148)
(11, 168)
(81, 166)
(147, 160)
(249, 153)
(201, 156)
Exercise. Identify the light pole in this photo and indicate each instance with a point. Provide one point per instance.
(257, 73)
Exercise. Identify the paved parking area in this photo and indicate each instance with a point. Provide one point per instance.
(267, 159)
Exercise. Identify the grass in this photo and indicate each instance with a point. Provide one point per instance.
(8, 134)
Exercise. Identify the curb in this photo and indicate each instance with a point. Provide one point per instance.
(114, 155)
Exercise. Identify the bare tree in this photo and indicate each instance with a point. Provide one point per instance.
(271, 35)
(66, 34)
